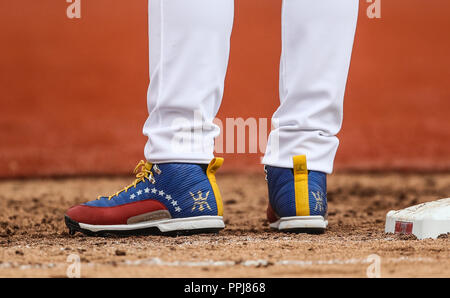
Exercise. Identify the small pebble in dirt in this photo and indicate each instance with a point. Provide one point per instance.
(120, 252)
(19, 253)
(230, 202)
(443, 236)
(406, 237)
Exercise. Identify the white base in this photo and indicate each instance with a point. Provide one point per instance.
(300, 222)
(164, 225)
(427, 220)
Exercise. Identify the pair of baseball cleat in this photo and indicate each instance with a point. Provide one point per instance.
(181, 198)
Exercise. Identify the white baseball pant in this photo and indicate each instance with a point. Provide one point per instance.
(188, 54)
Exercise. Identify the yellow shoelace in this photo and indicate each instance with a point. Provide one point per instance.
(142, 174)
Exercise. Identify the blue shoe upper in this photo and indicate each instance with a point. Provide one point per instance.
(282, 191)
(183, 188)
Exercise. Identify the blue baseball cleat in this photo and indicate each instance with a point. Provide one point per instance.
(177, 198)
(297, 198)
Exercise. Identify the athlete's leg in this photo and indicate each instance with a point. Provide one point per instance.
(189, 48)
(189, 44)
(317, 40)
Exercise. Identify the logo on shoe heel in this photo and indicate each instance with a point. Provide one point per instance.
(319, 201)
(200, 201)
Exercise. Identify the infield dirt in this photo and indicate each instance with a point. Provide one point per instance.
(34, 241)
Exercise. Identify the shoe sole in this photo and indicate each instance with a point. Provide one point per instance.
(301, 224)
(176, 226)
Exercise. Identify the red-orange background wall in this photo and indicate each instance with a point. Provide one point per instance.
(72, 91)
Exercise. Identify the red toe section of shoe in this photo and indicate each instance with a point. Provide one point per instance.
(271, 215)
(117, 215)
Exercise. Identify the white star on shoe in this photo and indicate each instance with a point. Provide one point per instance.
(153, 190)
(168, 197)
(161, 193)
(174, 203)
(177, 209)
(139, 192)
(147, 190)
(132, 196)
